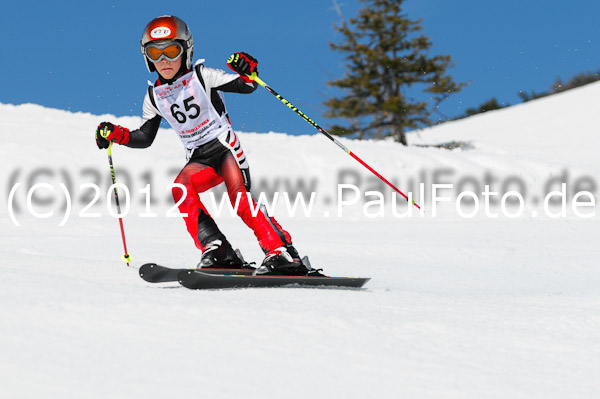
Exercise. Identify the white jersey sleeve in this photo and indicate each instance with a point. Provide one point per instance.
(149, 111)
(220, 80)
(214, 78)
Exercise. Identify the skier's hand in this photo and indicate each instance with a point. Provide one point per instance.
(107, 132)
(243, 64)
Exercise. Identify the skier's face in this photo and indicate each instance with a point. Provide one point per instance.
(167, 69)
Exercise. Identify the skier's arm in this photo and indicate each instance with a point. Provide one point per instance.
(139, 138)
(219, 80)
(237, 85)
(145, 135)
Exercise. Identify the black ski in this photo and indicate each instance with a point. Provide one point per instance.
(153, 273)
(195, 279)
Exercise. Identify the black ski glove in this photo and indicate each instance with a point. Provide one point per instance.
(107, 132)
(243, 64)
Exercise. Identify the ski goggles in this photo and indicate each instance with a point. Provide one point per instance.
(170, 51)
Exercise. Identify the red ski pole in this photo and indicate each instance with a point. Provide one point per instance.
(327, 134)
(126, 257)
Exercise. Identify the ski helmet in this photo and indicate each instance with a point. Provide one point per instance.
(168, 27)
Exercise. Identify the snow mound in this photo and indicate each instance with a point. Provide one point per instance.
(457, 307)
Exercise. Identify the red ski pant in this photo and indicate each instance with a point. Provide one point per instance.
(198, 178)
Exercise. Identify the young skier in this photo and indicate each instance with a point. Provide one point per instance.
(190, 97)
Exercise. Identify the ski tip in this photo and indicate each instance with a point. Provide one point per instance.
(145, 268)
(182, 277)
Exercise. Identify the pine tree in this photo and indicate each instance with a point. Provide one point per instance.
(386, 57)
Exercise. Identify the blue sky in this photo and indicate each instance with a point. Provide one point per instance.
(84, 56)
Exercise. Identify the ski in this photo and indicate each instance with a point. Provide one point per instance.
(195, 279)
(153, 273)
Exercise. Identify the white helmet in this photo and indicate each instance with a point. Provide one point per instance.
(168, 27)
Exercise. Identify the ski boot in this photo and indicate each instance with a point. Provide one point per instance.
(220, 255)
(285, 261)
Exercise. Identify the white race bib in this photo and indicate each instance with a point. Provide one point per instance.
(189, 111)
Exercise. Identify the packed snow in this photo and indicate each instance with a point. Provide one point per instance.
(466, 300)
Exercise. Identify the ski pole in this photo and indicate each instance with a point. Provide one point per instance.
(126, 257)
(328, 135)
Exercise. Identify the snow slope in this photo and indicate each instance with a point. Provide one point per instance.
(479, 307)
